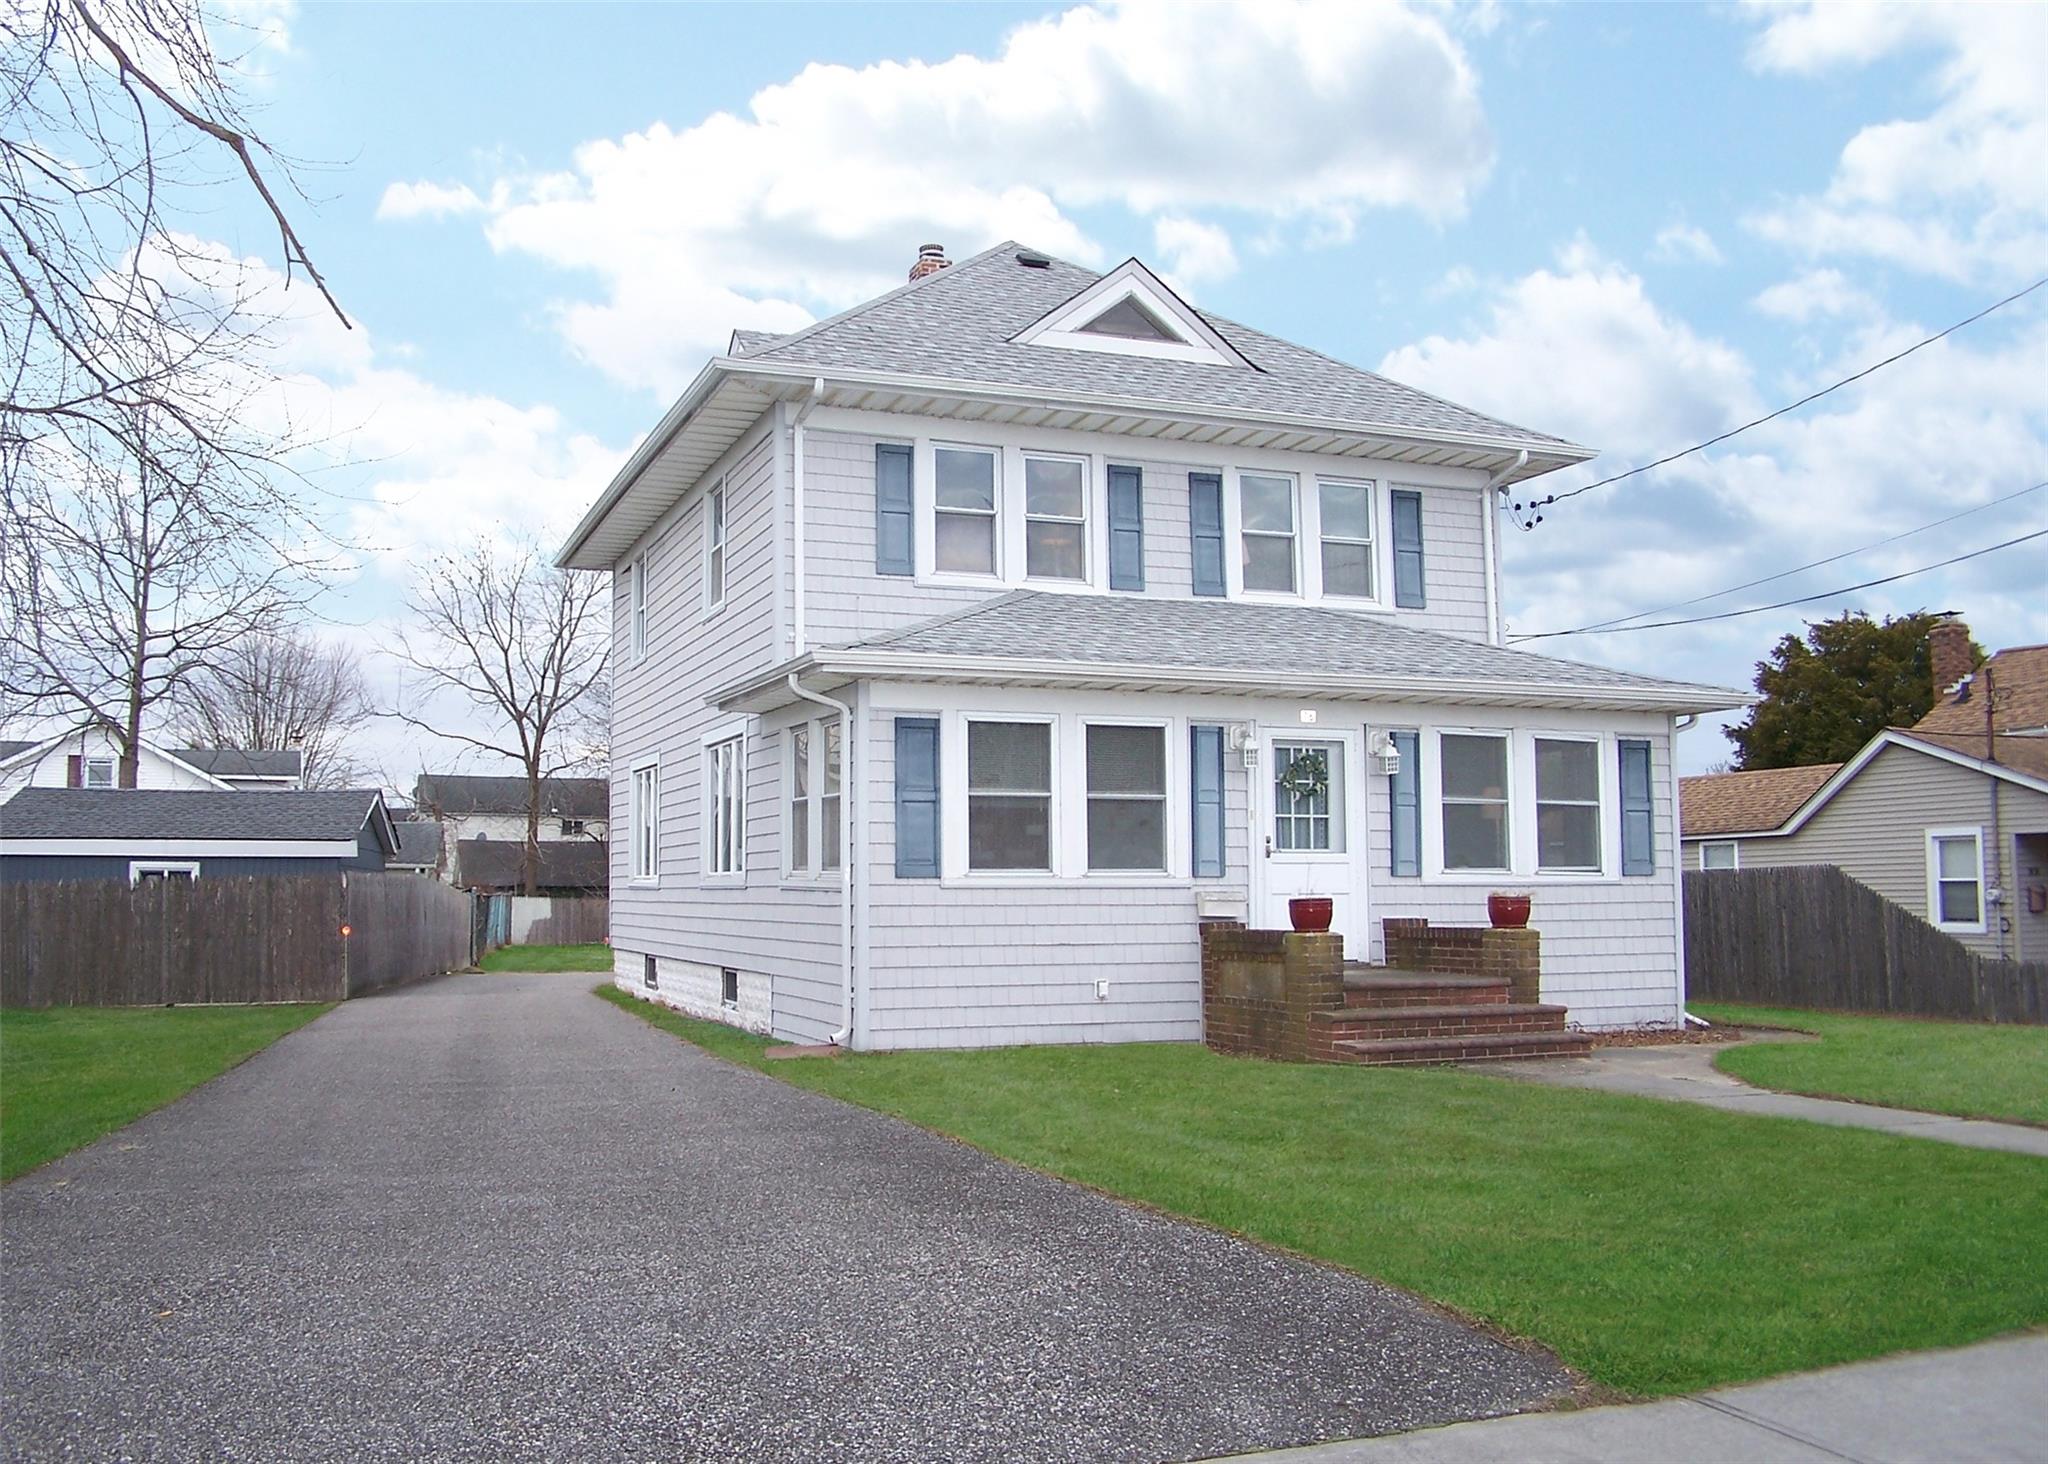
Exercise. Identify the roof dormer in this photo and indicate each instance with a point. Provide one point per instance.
(1132, 312)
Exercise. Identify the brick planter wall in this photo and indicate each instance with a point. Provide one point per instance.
(1513, 956)
(1260, 987)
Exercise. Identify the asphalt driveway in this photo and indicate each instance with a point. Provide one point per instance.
(493, 1217)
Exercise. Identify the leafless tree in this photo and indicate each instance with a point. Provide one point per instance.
(278, 692)
(518, 640)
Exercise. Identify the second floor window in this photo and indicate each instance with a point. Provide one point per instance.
(1266, 510)
(574, 828)
(714, 548)
(1347, 538)
(637, 577)
(964, 497)
(1055, 518)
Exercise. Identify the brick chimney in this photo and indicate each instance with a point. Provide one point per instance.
(931, 258)
(1948, 647)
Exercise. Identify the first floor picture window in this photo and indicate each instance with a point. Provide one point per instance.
(1567, 804)
(646, 815)
(964, 499)
(1009, 796)
(1475, 800)
(725, 836)
(1958, 861)
(1126, 798)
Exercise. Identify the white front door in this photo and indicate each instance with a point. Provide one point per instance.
(1309, 828)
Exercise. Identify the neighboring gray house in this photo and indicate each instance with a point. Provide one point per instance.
(971, 645)
(473, 808)
(152, 833)
(90, 758)
(1947, 819)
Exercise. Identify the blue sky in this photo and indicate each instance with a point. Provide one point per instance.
(1632, 225)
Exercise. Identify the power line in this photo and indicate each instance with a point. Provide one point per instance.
(1544, 502)
(1784, 604)
(1621, 620)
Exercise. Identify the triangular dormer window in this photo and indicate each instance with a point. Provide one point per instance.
(1132, 312)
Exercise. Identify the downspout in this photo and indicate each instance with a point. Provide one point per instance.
(847, 804)
(812, 395)
(1680, 724)
(1491, 511)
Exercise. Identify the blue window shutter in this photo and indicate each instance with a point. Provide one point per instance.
(1406, 792)
(1126, 529)
(1205, 747)
(1638, 827)
(1408, 592)
(917, 798)
(1205, 525)
(893, 510)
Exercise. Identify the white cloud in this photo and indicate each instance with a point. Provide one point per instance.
(1681, 242)
(1191, 251)
(1959, 193)
(1816, 294)
(816, 196)
(428, 200)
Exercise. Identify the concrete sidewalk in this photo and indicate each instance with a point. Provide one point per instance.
(1973, 1405)
(1686, 1074)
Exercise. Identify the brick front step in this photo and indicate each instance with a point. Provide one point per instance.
(1382, 988)
(1413, 1051)
(1470, 1019)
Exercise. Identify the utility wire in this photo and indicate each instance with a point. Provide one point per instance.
(1783, 604)
(1548, 499)
(1622, 620)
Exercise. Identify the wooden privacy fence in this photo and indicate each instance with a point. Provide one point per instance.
(541, 920)
(100, 942)
(1811, 936)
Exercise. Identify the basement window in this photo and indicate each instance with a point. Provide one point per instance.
(650, 977)
(729, 988)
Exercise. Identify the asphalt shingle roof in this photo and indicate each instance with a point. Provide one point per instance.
(455, 794)
(419, 842)
(565, 864)
(177, 813)
(956, 325)
(1228, 635)
(242, 762)
(2018, 676)
(1747, 802)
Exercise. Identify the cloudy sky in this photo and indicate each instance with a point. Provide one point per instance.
(1635, 226)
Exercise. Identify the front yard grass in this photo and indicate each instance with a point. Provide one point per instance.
(548, 958)
(1657, 1247)
(1970, 1069)
(70, 1074)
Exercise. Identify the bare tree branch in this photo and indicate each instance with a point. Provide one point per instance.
(279, 692)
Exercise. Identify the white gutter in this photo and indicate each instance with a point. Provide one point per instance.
(847, 760)
(1489, 506)
(812, 394)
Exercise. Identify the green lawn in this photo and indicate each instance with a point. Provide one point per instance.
(1972, 1069)
(549, 958)
(70, 1074)
(1657, 1247)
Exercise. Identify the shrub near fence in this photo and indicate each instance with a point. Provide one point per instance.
(1810, 936)
(100, 942)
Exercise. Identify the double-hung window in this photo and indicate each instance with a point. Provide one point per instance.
(1567, 805)
(1955, 878)
(714, 547)
(646, 821)
(636, 581)
(1009, 796)
(1055, 518)
(828, 794)
(814, 796)
(724, 833)
(1474, 768)
(1266, 527)
(964, 503)
(1126, 771)
(800, 798)
(1346, 512)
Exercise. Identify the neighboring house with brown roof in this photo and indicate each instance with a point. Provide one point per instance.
(1947, 819)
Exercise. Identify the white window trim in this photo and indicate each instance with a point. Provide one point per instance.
(708, 745)
(1088, 520)
(1601, 805)
(87, 764)
(1734, 848)
(1174, 832)
(1521, 794)
(1379, 550)
(1975, 834)
(637, 823)
(636, 617)
(1235, 533)
(718, 540)
(137, 868)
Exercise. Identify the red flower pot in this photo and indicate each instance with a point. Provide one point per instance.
(1507, 912)
(1311, 912)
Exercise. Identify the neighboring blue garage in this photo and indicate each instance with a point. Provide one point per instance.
(140, 834)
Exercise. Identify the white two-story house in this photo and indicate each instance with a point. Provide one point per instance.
(974, 644)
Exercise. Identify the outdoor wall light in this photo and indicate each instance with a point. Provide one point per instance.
(1388, 753)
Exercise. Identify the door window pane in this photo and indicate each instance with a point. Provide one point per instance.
(1567, 804)
(1475, 801)
(1009, 796)
(1127, 798)
(1308, 796)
